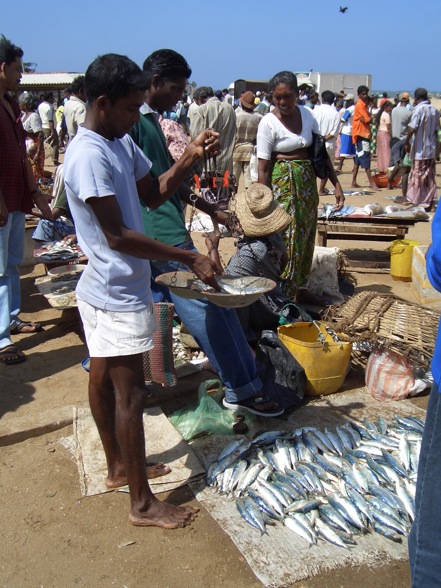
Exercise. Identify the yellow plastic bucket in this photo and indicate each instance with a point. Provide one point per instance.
(401, 259)
(325, 365)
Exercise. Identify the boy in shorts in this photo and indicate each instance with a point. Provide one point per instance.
(361, 138)
(105, 175)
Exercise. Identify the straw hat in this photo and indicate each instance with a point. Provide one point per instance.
(258, 212)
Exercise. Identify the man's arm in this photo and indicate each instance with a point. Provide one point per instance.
(409, 136)
(155, 191)
(189, 197)
(125, 240)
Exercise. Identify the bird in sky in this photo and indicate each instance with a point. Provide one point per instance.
(343, 9)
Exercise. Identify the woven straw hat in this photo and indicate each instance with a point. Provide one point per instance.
(258, 212)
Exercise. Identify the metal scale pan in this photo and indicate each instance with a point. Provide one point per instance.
(235, 292)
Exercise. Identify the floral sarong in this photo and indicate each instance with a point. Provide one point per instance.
(295, 189)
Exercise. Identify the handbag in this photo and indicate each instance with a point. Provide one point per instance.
(283, 378)
(319, 156)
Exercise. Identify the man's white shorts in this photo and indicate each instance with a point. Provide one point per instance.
(111, 334)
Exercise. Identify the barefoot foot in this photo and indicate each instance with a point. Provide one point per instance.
(163, 514)
(154, 470)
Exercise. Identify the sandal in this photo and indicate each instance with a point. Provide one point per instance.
(11, 354)
(24, 327)
(259, 405)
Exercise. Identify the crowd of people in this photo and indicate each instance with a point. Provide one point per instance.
(126, 177)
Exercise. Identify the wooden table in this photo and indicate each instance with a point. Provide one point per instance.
(363, 228)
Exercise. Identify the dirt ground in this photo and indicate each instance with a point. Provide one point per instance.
(52, 537)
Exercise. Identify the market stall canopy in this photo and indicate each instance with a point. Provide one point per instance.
(34, 82)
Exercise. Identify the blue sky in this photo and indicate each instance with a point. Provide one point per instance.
(397, 42)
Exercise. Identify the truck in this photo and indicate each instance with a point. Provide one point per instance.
(238, 87)
(320, 81)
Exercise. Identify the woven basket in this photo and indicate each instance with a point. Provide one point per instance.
(159, 362)
(389, 321)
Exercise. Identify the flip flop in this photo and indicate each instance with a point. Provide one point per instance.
(255, 405)
(11, 354)
(23, 327)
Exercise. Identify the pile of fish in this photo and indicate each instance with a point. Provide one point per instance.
(331, 484)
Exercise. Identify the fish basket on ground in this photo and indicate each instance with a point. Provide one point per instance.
(371, 319)
(325, 360)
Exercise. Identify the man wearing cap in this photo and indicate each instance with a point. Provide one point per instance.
(421, 144)
(247, 123)
(400, 118)
(347, 148)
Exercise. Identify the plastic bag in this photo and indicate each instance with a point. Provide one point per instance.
(254, 166)
(389, 375)
(207, 416)
(283, 378)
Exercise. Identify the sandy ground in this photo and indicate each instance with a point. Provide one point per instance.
(52, 537)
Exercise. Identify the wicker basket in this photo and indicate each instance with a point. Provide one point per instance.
(159, 362)
(385, 319)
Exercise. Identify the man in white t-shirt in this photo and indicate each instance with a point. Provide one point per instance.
(47, 114)
(105, 175)
(328, 120)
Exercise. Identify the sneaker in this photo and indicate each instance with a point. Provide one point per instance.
(259, 405)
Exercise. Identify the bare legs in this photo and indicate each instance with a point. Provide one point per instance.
(369, 177)
(116, 394)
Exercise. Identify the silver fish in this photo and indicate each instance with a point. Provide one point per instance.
(239, 469)
(230, 448)
(303, 506)
(295, 526)
(248, 517)
(270, 498)
(406, 499)
(329, 534)
(264, 506)
(248, 477)
(332, 515)
(386, 532)
(255, 513)
(388, 521)
(335, 440)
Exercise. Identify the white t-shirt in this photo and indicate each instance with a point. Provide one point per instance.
(97, 167)
(46, 112)
(328, 120)
(347, 120)
(273, 136)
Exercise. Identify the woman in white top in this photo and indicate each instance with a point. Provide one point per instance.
(34, 131)
(384, 135)
(283, 139)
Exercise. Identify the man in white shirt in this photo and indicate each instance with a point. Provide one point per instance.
(328, 120)
(105, 174)
(47, 114)
(75, 109)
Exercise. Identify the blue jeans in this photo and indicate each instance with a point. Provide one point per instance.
(425, 535)
(12, 237)
(217, 331)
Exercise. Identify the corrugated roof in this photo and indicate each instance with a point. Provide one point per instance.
(48, 79)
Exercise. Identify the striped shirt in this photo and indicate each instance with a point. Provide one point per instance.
(246, 133)
(219, 116)
(425, 121)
